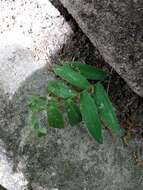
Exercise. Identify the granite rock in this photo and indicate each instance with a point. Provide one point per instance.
(31, 33)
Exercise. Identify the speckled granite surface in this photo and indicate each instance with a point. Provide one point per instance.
(31, 32)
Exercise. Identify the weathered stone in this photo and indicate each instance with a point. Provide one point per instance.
(8, 178)
(116, 29)
(31, 33)
(69, 158)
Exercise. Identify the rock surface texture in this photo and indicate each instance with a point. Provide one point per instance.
(115, 27)
(66, 159)
(31, 32)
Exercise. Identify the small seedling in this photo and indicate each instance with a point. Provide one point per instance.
(81, 100)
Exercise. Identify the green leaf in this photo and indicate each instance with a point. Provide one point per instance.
(37, 126)
(60, 89)
(41, 131)
(55, 118)
(68, 74)
(37, 103)
(73, 112)
(90, 115)
(33, 120)
(106, 109)
(88, 71)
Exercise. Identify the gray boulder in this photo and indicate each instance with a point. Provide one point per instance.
(31, 33)
(116, 29)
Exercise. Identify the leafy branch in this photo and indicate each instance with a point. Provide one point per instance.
(81, 100)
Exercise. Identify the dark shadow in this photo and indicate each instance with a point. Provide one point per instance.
(2, 188)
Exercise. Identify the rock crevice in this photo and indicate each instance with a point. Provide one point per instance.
(115, 28)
